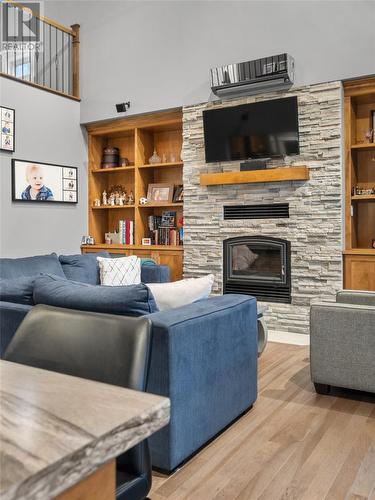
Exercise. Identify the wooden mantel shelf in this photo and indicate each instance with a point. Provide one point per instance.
(269, 175)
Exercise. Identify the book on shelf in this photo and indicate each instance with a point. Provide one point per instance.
(163, 229)
(126, 232)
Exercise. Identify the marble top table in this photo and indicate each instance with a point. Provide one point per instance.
(55, 430)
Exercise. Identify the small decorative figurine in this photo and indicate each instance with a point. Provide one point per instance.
(124, 162)
(112, 199)
(142, 201)
(155, 158)
(97, 202)
(369, 134)
(131, 198)
(104, 197)
(117, 197)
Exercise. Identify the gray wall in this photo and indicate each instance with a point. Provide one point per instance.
(47, 130)
(157, 53)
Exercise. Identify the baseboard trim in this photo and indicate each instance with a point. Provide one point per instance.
(288, 338)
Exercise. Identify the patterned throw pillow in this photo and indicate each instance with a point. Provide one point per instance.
(120, 271)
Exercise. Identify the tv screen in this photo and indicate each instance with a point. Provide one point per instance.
(259, 130)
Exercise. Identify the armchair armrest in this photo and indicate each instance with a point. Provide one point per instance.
(359, 297)
(152, 273)
(204, 357)
(342, 345)
(11, 316)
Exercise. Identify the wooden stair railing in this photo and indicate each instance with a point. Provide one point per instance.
(50, 61)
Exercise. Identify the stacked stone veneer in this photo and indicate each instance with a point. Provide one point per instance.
(314, 227)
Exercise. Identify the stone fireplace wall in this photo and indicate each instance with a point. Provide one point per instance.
(314, 227)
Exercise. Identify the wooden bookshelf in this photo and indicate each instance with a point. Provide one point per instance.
(108, 170)
(359, 256)
(363, 147)
(136, 137)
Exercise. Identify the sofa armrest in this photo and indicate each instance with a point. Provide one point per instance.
(204, 357)
(152, 273)
(11, 316)
(342, 345)
(359, 297)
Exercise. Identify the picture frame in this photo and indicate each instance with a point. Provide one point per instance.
(7, 129)
(37, 182)
(146, 241)
(178, 196)
(160, 194)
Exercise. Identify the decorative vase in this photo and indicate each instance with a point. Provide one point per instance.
(155, 158)
(111, 157)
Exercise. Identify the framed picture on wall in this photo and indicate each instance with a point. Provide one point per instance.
(35, 182)
(7, 135)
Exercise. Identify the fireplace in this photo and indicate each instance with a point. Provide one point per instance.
(258, 266)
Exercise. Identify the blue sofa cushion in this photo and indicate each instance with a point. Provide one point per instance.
(83, 268)
(155, 274)
(17, 290)
(132, 300)
(30, 266)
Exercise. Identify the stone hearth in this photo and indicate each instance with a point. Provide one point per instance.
(314, 225)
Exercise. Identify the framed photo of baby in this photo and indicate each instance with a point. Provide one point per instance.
(33, 181)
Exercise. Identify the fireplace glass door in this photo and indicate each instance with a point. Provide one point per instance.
(259, 266)
(257, 261)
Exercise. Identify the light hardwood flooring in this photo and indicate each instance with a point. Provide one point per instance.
(294, 444)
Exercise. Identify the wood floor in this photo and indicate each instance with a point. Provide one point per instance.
(294, 444)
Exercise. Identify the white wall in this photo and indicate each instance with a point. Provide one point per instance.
(47, 130)
(157, 54)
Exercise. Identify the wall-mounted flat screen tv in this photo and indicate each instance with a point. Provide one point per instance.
(264, 129)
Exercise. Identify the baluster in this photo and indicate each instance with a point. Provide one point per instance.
(44, 52)
(14, 46)
(22, 61)
(56, 61)
(50, 57)
(69, 64)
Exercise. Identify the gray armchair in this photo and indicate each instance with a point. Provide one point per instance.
(342, 344)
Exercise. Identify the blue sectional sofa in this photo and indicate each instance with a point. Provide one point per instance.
(204, 355)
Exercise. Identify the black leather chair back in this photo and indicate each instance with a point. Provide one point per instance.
(102, 347)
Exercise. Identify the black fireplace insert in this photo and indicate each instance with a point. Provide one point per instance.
(258, 266)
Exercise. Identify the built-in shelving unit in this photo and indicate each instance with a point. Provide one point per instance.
(162, 165)
(110, 207)
(109, 170)
(364, 147)
(359, 255)
(136, 138)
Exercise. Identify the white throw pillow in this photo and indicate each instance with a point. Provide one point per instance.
(180, 293)
(120, 271)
